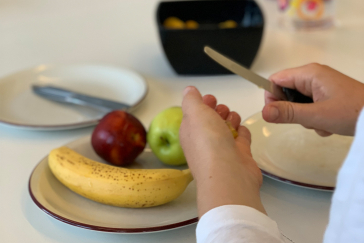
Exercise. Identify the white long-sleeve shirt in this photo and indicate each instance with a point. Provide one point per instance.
(242, 224)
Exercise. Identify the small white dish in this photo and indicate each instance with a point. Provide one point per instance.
(21, 108)
(292, 154)
(53, 198)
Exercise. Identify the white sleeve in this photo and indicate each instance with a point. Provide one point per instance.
(237, 223)
(346, 222)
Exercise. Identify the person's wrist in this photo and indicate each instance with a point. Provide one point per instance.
(228, 183)
(229, 164)
(220, 193)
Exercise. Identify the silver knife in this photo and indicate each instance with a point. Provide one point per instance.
(68, 96)
(281, 93)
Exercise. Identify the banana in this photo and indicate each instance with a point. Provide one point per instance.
(132, 188)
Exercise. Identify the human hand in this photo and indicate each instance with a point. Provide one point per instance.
(222, 166)
(338, 99)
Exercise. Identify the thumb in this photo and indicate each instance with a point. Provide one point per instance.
(289, 112)
(191, 99)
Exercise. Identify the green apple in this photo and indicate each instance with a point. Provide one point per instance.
(163, 136)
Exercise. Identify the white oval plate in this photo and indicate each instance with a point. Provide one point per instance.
(21, 108)
(65, 205)
(295, 155)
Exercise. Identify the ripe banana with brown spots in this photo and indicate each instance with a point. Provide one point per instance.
(122, 187)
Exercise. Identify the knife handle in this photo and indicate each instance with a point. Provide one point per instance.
(295, 96)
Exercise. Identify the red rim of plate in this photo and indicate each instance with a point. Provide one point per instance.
(297, 183)
(106, 229)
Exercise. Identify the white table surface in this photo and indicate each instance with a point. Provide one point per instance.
(123, 32)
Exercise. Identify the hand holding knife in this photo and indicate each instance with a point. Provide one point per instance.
(281, 92)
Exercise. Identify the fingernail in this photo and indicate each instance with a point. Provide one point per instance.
(187, 89)
(273, 113)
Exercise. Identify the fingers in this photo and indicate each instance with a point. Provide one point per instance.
(308, 115)
(245, 134)
(223, 111)
(299, 78)
(210, 101)
(243, 140)
(323, 133)
(191, 99)
(234, 119)
(269, 97)
(286, 112)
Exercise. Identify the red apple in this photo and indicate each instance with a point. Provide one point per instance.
(119, 138)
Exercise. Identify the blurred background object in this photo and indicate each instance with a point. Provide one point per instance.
(307, 14)
(232, 27)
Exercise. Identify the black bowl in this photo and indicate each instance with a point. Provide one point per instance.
(184, 47)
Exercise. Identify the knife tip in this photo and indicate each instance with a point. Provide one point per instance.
(206, 49)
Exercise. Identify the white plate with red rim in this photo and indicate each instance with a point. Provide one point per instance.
(292, 154)
(64, 205)
(21, 108)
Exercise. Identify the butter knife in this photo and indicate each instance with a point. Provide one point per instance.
(280, 92)
(67, 96)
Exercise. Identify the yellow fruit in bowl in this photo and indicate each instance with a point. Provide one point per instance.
(173, 23)
(191, 24)
(228, 24)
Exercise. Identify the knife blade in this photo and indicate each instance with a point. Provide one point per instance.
(67, 96)
(280, 92)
